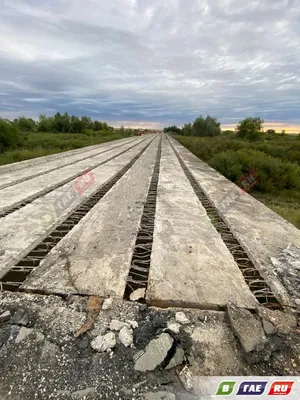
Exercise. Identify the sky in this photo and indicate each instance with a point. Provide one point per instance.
(152, 63)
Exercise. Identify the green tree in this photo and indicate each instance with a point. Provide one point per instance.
(105, 127)
(25, 124)
(187, 129)
(97, 126)
(45, 124)
(173, 129)
(250, 128)
(8, 135)
(208, 126)
(270, 132)
(75, 124)
(86, 122)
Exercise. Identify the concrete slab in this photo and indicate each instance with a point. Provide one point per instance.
(263, 233)
(11, 178)
(22, 230)
(95, 256)
(38, 160)
(190, 264)
(13, 195)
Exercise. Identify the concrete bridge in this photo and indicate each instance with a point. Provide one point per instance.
(142, 213)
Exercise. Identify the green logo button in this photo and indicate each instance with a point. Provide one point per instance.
(225, 388)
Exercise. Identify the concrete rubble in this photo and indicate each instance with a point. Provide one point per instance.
(154, 354)
(143, 358)
(181, 318)
(126, 336)
(104, 343)
(107, 304)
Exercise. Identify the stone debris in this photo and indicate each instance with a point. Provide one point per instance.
(20, 317)
(117, 325)
(181, 318)
(186, 379)
(159, 396)
(137, 294)
(107, 304)
(125, 336)
(174, 327)
(282, 322)
(133, 324)
(24, 332)
(247, 328)
(269, 328)
(177, 359)
(104, 343)
(5, 316)
(154, 354)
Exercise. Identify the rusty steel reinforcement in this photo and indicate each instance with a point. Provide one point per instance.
(14, 278)
(141, 258)
(255, 282)
(14, 208)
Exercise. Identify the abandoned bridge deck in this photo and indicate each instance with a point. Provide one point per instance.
(142, 215)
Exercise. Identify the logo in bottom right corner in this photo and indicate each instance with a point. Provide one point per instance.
(256, 388)
(280, 388)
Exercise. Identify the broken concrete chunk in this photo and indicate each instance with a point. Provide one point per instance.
(247, 328)
(116, 325)
(125, 336)
(133, 324)
(181, 318)
(5, 316)
(20, 317)
(107, 304)
(154, 354)
(269, 328)
(174, 327)
(177, 359)
(24, 332)
(283, 323)
(137, 294)
(104, 343)
(159, 396)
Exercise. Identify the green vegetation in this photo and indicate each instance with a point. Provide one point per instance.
(24, 138)
(274, 157)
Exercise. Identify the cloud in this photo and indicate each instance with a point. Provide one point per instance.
(151, 61)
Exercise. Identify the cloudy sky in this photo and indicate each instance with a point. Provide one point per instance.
(151, 62)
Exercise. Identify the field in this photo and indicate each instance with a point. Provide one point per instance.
(32, 145)
(275, 159)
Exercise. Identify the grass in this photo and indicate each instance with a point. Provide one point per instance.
(34, 145)
(276, 160)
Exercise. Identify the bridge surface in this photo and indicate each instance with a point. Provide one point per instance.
(142, 215)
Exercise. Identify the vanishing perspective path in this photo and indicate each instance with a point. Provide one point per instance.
(144, 222)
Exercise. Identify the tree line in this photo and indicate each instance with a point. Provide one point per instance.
(60, 123)
(11, 132)
(250, 128)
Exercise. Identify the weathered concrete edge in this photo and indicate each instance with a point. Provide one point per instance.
(265, 268)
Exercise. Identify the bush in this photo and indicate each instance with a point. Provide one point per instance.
(273, 173)
(9, 137)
